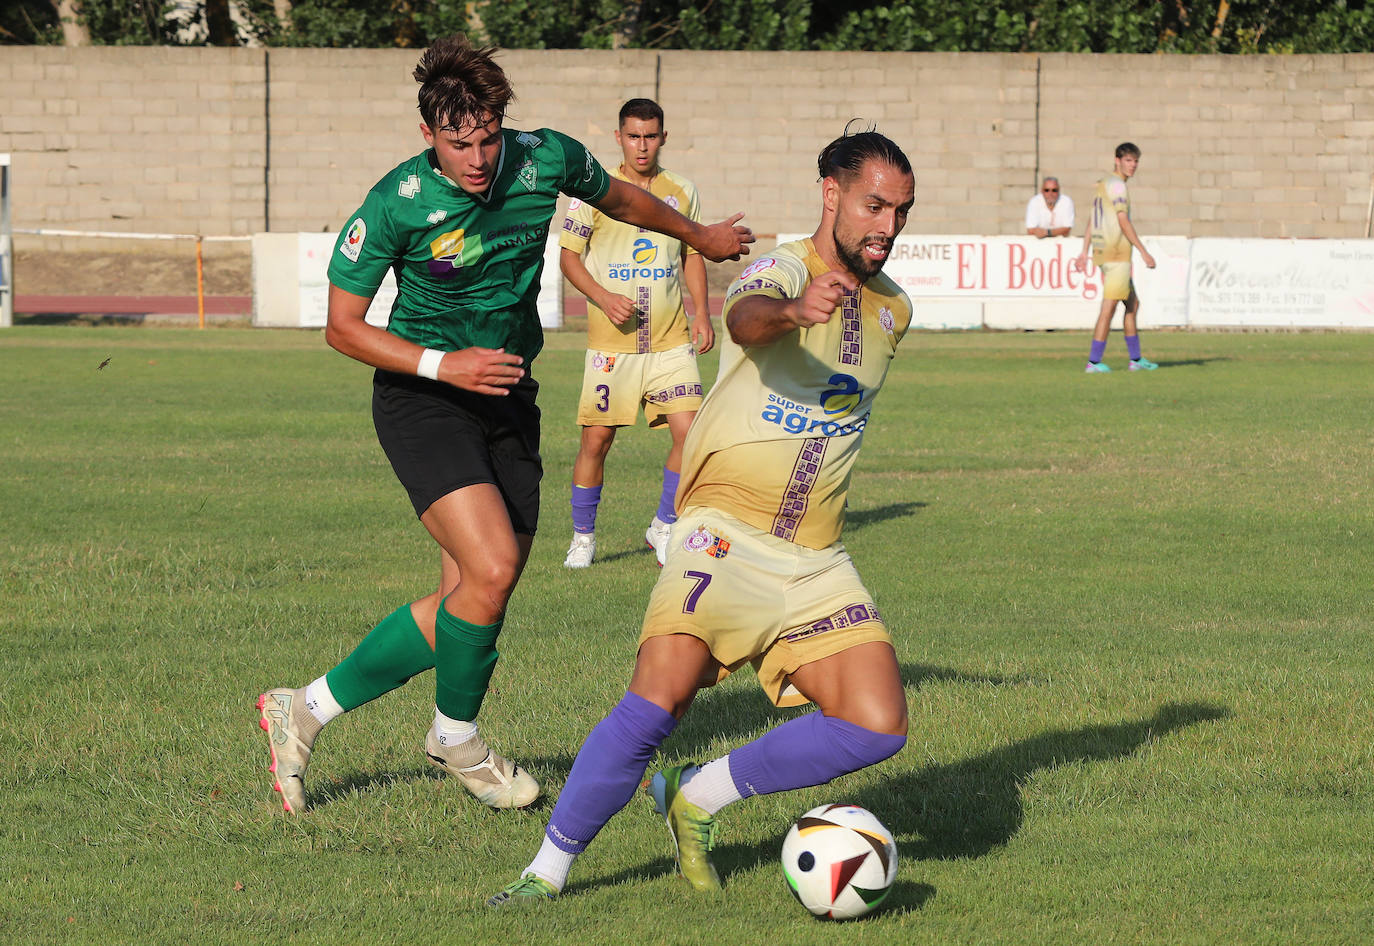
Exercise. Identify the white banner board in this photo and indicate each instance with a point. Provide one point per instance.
(1021, 282)
(1291, 283)
(291, 283)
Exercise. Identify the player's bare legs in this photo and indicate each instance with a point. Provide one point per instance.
(678, 425)
(472, 525)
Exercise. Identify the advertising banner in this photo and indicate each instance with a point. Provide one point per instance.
(1292, 283)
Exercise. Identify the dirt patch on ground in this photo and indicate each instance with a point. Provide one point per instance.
(228, 272)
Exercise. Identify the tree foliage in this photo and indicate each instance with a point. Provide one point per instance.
(1120, 26)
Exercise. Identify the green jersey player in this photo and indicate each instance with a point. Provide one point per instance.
(463, 226)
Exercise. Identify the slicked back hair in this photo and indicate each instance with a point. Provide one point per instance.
(461, 86)
(643, 109)
(843, 157)
(1126, 148)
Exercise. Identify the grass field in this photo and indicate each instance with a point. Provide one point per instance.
(1133, 613)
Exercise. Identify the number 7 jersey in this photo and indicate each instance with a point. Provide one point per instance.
(775, 441)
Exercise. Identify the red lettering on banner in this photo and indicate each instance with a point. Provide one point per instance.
(966, 251)
(1016, 263)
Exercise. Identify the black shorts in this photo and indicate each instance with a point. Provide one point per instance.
(440, 438)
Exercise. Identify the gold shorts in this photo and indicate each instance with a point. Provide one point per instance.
(755, 598)
(1116, 280)
(615, 384)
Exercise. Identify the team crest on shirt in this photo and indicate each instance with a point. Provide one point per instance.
(886, 320)
(671, 201)
(756, 267)
(409, 187)
(352, 243)
(603, 362)
(702, 539)
(528, 175)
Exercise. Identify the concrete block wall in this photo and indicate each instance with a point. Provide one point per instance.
(121, 139)
(232, 142)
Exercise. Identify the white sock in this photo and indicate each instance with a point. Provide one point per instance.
(319, 699)
(551, 863)
(453, 732)
(711, 788)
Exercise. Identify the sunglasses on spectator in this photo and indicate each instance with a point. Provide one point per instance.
(1051, 190)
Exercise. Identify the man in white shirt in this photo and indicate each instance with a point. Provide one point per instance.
(1049, 213)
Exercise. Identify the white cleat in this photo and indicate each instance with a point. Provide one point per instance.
(582, 550)
(493, 780)
(657, 538)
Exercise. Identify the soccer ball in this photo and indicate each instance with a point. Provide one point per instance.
(839, 861)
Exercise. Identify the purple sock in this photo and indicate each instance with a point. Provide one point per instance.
(607, 771)
(1095, 353)
(585, 499)
(1133, 347)
(666, 508)
(809, 750)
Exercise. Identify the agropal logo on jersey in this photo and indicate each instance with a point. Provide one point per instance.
(825, 419)
(643, 255)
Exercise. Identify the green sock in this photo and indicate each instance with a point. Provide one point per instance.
(392, 653)
(464, 658)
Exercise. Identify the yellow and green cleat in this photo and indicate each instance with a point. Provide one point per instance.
(693, 830)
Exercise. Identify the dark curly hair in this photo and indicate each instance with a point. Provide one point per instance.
(461, 86)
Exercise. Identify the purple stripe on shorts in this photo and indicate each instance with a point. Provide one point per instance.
(848, 616)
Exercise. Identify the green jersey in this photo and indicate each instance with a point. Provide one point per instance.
(467, 266)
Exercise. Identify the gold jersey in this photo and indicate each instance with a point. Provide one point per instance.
(775, 441)
(643, 266)
(1109, 242)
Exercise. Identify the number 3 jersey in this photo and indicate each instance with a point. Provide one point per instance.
(641, 265)
(775, 441)
(467, 266)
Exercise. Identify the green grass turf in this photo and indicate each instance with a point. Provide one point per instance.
(1132, 612)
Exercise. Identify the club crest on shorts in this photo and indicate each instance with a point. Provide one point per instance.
(603, 362)
(702, 539)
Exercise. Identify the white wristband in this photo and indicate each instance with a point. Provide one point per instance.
(429, 364)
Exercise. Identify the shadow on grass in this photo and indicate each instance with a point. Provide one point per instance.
(855, 519)
(1189, 362)
(969, 808)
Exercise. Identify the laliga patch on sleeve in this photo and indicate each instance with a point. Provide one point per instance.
(352, 243)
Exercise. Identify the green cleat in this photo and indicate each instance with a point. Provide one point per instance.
(693, 830)
(526, 891)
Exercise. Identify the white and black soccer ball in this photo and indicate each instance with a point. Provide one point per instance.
(839, 861)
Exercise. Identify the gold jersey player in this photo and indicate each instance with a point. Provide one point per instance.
(639, 348)
(1112, 236)
(756, 574)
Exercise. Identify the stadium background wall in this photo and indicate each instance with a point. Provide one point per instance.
(242, 141)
